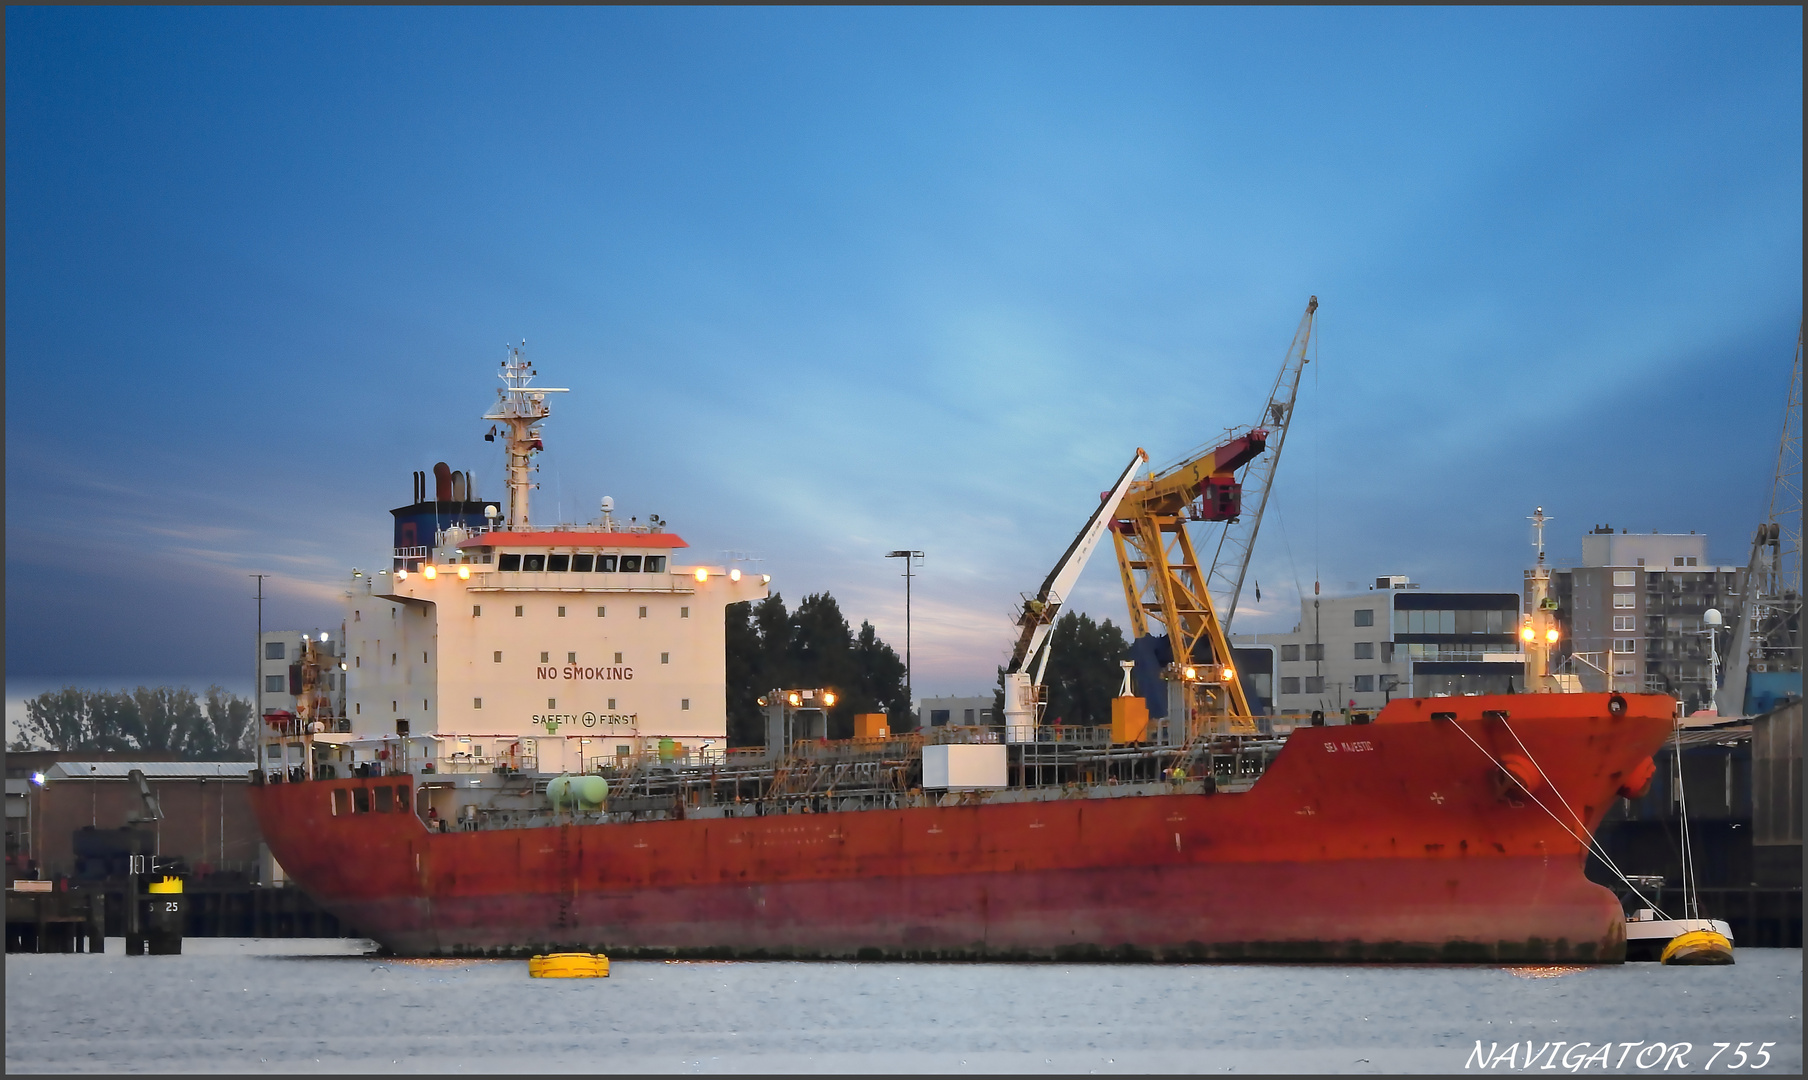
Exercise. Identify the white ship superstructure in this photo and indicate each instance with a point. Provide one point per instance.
(490, 645)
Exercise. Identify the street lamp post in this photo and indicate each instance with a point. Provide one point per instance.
(910, 562)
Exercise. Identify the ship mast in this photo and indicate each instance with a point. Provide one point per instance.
(520, 408)
(1539, 631)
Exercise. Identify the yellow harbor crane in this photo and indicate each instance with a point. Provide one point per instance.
(1162, 576)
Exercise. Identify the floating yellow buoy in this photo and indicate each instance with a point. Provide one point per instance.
(1698, 947)
(569, 965)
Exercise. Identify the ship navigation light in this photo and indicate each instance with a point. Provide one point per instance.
(1527, 632)
(828, 697)
(1189, 673)
(794, 698)
(1551, 635)
(1230, 673)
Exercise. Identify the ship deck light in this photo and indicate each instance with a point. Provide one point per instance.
(702, 574)
(428, 571)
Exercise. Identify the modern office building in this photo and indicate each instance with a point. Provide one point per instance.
(1637, 601)
(279, 669)
(1358, 652)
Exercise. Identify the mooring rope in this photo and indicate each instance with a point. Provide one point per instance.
(1586, 839)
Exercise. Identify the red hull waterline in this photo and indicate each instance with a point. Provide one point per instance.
(1399, 840)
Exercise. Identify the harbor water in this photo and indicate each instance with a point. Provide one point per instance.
(297, 1005)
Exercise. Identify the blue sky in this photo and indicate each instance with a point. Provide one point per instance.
(827, 283)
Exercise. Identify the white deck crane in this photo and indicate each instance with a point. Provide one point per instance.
(1022, 689)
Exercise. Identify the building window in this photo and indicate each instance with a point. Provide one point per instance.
(938, 717)
(643, 611)
(1624, 622)
(273, 650)
(1676, 561)
(630, 564)
(1691, 560)
(517, 611)
(476, 610)
(558, 564)
(273, 684)
(561, 611)
(1315, 652)
(1289, 652)
(1365, 684)
(1625, 599)
(530, 563)
(499, 656)
(1387, 652)
(508, 562)
(601, 611)
(546, 658)
(1623, 578)
(1289, 686)
(1365, 616)
(684, 613)
(684, 704)
(1365, 650)
(665, 657)
(582, 564)
(476, 703)
(605, 564)
(1625, 645)
(1315, 684)
(654, 564)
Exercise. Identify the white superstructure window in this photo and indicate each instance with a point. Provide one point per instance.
(561, 611)
(476, 703)
(571, 658)
(618, 658)
(684, 704)
(499, 656)
(476, 610)
(611, 703)
(684, 613)
(552, 702)
(517, 611)
(665, 657)
(546, 658)
(643, 611)
(601, 612)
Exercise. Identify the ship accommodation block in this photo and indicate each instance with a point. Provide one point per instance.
(477, 650)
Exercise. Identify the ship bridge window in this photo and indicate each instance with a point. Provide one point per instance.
(531, 563)
(654, 564)
(558, 564)
(630, 564)
(509, 562)
(605, 564)
(582, 564)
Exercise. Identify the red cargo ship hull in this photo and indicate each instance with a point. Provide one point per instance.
(1403, 839)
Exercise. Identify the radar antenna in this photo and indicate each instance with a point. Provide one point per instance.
(520, 407)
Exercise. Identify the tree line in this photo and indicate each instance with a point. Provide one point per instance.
(771, 648)
(215, 725)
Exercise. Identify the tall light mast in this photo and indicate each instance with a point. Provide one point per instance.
(1539, 629)
(520, 408)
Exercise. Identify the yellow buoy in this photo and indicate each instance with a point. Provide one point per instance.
(1698, 947)
(569, 965)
